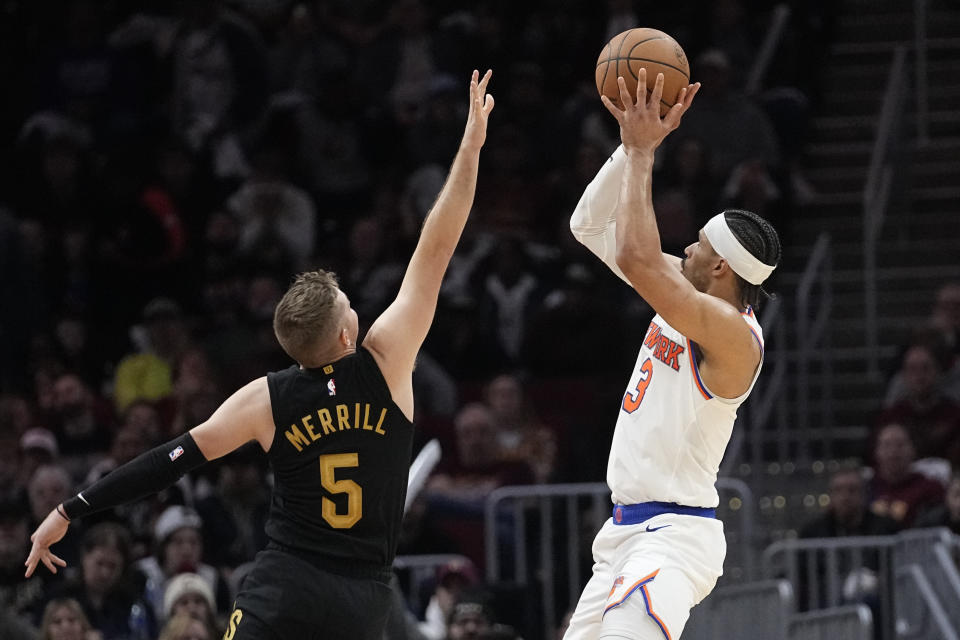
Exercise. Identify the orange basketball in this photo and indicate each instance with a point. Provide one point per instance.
(653, 50)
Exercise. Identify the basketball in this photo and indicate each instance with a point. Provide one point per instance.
(651, 49)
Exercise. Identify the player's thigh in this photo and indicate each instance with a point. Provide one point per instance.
(585, 622)
(358, 611)
(648, 604)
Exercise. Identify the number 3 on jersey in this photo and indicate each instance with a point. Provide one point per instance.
(328, 471)
(631, 401)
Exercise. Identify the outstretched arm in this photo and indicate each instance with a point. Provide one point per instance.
(395, 337)
(244, 416)
(712, 323)
(594, 221)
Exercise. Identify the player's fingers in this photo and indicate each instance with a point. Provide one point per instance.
(485, 81)
(672, 119)
(612, 108)
(49, 564)
(488, 104)
(691, 92)
(31, 564)
(641, 86)
(657, 92)
(57, 560)
(624, 94)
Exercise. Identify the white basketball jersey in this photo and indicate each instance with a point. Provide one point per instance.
(671, 431)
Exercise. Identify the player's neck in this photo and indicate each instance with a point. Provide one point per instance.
(729, 294)
(331, 354)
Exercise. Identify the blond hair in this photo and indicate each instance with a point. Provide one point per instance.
(307, 314)
(179, 624)
(51, 610)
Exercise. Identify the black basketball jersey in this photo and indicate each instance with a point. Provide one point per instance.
(340, 458)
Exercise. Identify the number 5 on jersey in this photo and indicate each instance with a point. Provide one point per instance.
(632, 399)
(328, 471)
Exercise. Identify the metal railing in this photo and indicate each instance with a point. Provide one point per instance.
(854, 622)
(876, 197)
(769, 603)
(512, 513)
(913, 622)
(829, 572)
(416, 570)
(778, 24)
(813, 340)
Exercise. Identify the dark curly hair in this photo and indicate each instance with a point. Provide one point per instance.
(759, 238)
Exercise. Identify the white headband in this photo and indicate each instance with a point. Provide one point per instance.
(743, 263)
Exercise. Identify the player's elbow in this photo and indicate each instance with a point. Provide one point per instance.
(578, 230)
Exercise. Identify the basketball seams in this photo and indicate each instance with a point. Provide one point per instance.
(630, 58)
(606, 69)
(619, 50)
(629, 55)
(635, 44)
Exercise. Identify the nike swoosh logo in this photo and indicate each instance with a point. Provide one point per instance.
(649, 530)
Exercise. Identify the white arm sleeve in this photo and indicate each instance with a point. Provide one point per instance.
(594, 221)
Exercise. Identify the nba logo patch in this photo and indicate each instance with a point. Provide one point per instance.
(618, 514)
(331, 387)
(176, 453)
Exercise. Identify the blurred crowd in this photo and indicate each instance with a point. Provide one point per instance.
(167, 167)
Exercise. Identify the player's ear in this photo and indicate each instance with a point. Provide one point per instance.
(720, 267)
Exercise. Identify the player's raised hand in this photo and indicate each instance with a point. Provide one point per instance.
(481, 104)
(50, 531)
(641, 126)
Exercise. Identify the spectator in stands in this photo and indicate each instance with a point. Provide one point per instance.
(107, 588)
(731, 126)
(148, 374)
(931, 417)
(520, 434)
(896, 490)
(38, 447)
(64, 619)
(848, 514)
(179, 549)
(453, 579)
(946, 514)
(185, 627)
(370, 269)
(194, 381)
(190, 594)
(15, 627)
(473, 618)
(80, 418)
(455, 493)
(687, 194)
(277, 220)
(509, 292)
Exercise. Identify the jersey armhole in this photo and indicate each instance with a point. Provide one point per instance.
(702, 386)
(371, 373)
